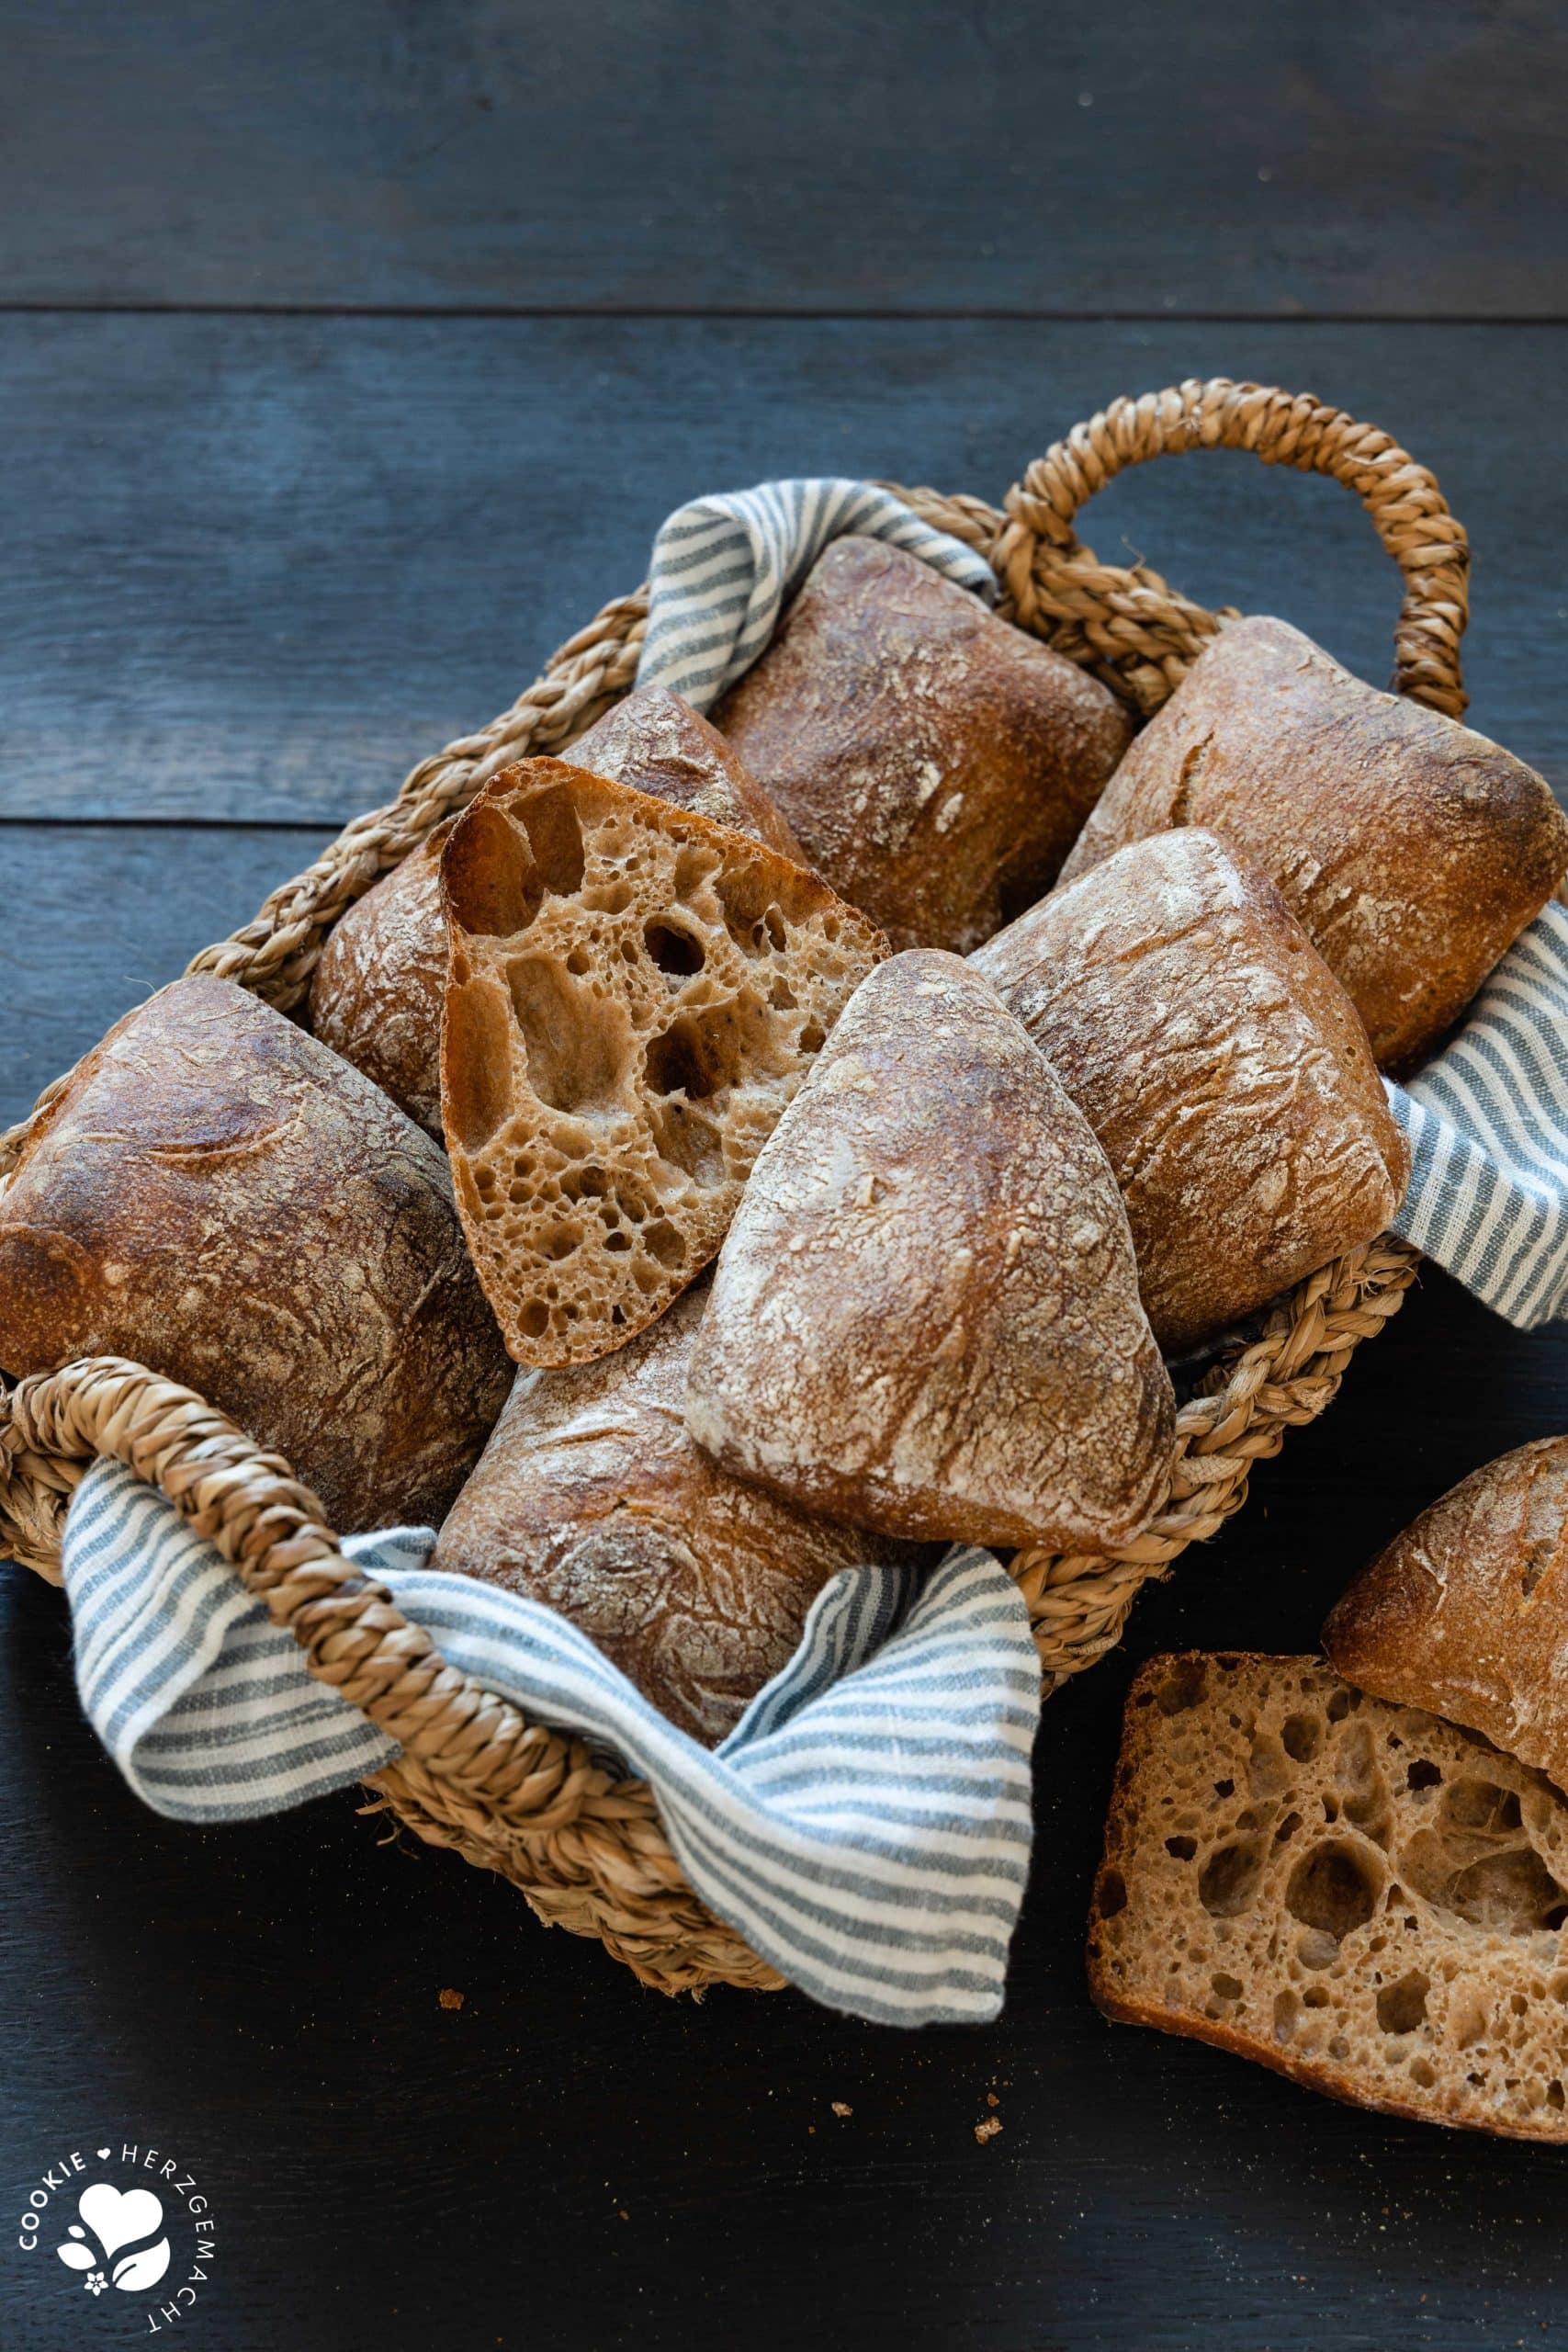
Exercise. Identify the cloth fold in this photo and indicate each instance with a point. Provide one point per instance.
(866, 1827)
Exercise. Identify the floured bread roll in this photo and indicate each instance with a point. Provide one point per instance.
(591, 1497)
(935, 762)
(378, 990)
(1467, 1612)
(634, 996)
(1221, 1067)
(218, 1197)
(925, 1318)
(1411, 851)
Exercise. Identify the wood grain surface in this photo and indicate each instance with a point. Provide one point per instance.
(254, 565)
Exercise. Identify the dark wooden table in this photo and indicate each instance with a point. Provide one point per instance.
(349, 359)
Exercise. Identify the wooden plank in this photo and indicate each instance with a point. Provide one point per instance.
(259, 567)
(885, 154)
(98, 917)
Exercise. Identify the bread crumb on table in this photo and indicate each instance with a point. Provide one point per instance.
(449, 1998)
(988, 2130)
(841, 2107)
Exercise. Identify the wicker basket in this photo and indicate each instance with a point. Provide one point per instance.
(587, 1850)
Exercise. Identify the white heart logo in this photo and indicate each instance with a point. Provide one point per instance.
(103, 2156)
(119, 2217)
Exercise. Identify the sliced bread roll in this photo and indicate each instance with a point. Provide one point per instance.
(1467, 1612)
(634, 996)
(935, 762)
(378, 991)
(591, 1499)
(925, 1318)
(218, 1197)
(1221, 1067)
(1360, 1896)
(1411, 849)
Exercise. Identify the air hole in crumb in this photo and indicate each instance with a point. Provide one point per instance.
(665, 1244)
(479, 1063)
(1422, 2072)
(676, 952)
(1183, 1687)
(555, 837)
(1554, 2095)
(1183, 1848)
(1422, 1775)
(1403, 2007)
(562, 1240)
(617, 1240)
(1301, 1736)
(1113, 1895)
(1229, 1988)
(577, 1044)
(1287, 1829)
(535, 1319)
(493, 887)
(1287, 2012)
(1333, 1888)
(1480, 1804)
(812, 1038)
(1229, 1880)
(1342, 1702)
(1225, 1788)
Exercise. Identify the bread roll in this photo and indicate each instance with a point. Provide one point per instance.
(634, 996)
(380, 982)
(1221, 1067)
(1358, 1896)
(219, 1197)
(378, 988)
(658, 744)
(1411, 851)
(591, 1497)
(1467, 1612)
(935, 762)
(925, 1318)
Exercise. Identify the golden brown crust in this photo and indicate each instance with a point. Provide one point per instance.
(1222, 1068)
(925, 1318)
(218, 1197)
(1466, 1612)
(591, 1499)
(635, 995)
(1361, 1898)
(1411, 851)
(378, 990)
(654, 742)
(935, 762)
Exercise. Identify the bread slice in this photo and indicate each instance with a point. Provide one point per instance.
(1467, 1612)
(378, 991)
(591, 1499)
(926, 1316)
(1360, 1896)
(1221, 1065)
(635, 994)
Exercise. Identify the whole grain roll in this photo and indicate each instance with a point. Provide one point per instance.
(925, 1318)
(378, 990)
(935, 762)
(1466, 1612)
(591, 1499)
(1221, 1067)
(1411, 851)
(218, 1197)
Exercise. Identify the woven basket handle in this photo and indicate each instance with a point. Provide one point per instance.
(354, 1636)
(1140, 634)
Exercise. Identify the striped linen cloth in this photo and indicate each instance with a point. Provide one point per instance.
(1487, 1121)
(725, 567)
(866, 1828)
(1488, 1128)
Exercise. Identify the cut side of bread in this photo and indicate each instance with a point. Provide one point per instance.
(1360, 1896)
(635, 995)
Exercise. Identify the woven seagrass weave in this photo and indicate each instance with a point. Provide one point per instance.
(587, 1850)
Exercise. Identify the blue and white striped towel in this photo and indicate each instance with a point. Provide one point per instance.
(1487, 1121)
(725, 567)
(866, 1827)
